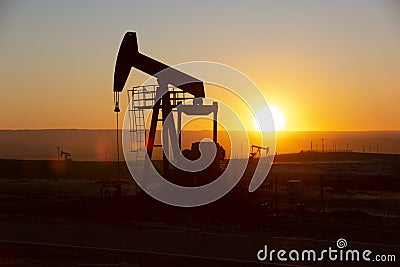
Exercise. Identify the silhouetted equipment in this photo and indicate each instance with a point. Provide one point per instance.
(295, 194)
(164, 96)
(256, 151)
(130, 57)
(267, 196)
(112, 188)
(66, 155)
(198, 110)
(194, 153)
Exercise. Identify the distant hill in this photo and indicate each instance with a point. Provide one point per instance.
(99, 145)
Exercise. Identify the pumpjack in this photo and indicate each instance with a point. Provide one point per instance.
(256, 151)
(130, 57)
(66, 155)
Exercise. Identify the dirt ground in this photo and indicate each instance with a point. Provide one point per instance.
(51, 214)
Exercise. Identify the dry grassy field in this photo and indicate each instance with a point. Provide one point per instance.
(51, 213)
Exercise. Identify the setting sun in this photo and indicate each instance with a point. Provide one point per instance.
(277, 116)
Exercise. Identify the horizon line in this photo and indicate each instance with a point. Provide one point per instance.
(111, 129)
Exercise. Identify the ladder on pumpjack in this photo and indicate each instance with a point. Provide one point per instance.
(142, 98)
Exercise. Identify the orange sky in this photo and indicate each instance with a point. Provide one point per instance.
(328, 65)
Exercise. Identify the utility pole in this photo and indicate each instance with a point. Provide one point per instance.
(311, 146)
(322, 194)
(322, 144)
(276, 194)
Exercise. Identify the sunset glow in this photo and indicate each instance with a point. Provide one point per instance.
(325, 73)
(277, 116)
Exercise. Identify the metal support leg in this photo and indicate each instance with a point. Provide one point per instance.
(215, 123)
(153, 128)
(180, 128)
(166, 110)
